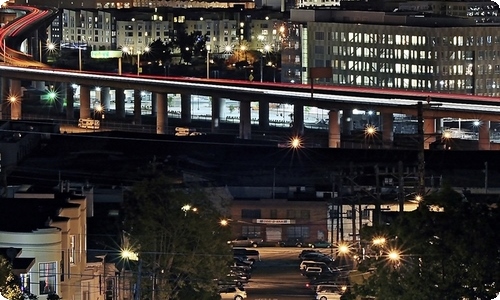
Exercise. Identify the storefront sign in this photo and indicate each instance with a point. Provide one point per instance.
(274, 221)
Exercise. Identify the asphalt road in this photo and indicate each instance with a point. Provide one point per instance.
(277, 276)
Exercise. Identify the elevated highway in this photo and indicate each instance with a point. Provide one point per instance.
(14, 33)
(19, 66)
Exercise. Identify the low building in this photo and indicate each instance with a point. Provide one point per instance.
(51, 229)
(276, 220)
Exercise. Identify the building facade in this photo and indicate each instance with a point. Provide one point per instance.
(57, 242)
(392, 50)
(276, 220)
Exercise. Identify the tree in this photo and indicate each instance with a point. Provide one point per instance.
(9, 284)
(450, 254)
(178, 237)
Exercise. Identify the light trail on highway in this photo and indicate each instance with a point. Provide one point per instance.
(322, 96)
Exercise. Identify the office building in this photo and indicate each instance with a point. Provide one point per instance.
(403, 50)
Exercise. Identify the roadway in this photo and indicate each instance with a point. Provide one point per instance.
(325, 97)
(277, 276)
(23, 67)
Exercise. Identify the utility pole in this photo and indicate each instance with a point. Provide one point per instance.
(485, 177)
(401, 188)
(421, 159)
(331, 215)
(353, 204)
(376, 217)
(340, 219)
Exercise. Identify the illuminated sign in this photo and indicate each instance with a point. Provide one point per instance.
(274, 221)
(106, 54)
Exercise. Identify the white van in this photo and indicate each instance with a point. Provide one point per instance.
(89, 123)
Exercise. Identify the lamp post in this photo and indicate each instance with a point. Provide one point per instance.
(146, 50)
(97, 109)
(129, 255)
(125, 50)
(266, 49)
(80, 55)
(208, 61)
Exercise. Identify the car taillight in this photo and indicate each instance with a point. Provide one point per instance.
(307, 285)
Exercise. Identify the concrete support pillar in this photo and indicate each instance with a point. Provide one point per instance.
(39, 85)
(85, 102)
(298, 119)
(153, 103)
(429, 132)
(222, 108)
(16, 106)
(439, 126)
(161, 116)
(263, 115)
(120, 103)
(186, 108)
(216, 112)
(387, 129)
(334, 129)
(245, 120)
(137, 107)
(484, 136)
(105, 98)
(4, 94)
(61, 96)
(70, 103)
(347, 122)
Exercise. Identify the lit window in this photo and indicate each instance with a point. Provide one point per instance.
(72, 249)
(47, 277)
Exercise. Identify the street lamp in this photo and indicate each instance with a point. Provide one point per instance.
(133, 256)
(146, 50)
(125, 50)
(97, 110)
(80, 54)
(188, 207)
(296, 142)
(208, 61)
(266, 49)
(476, 125)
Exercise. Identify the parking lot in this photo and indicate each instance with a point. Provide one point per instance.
(277, 276)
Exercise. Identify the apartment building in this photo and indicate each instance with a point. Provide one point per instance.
(226, 31)
(394, 50)
(74, 29)
(52, 233)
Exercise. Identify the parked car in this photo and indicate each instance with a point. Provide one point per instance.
(330, 292)
(328, 296)
(312, 272)
(233, 293)
(307, 251)
(249, 254)
(311, 263)
(320, 244)
(314, 256)
(291, 243)
(245, 241)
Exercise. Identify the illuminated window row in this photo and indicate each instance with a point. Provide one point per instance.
(410, 40)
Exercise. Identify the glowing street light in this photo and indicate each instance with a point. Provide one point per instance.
(208, 60)
(188, 207)
(378, 241)
(265, 49)
(370, 130)
(146, 50)
(130, 255)
(295, 143)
